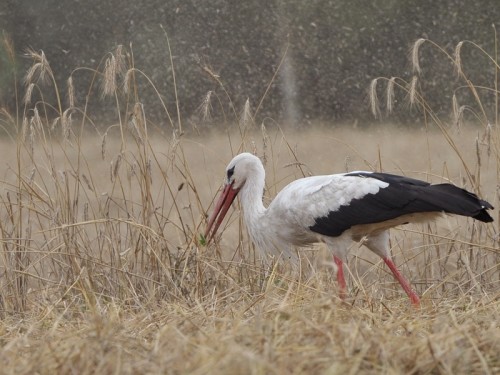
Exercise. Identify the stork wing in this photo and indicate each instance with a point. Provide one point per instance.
(329, 205)
(304, 201)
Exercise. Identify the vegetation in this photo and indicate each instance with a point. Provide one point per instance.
(103, 268)
(331, 50)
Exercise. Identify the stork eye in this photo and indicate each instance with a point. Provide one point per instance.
(230, 173)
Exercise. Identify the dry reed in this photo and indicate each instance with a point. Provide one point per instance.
(103, 268)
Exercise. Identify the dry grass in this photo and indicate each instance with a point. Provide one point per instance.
(103, 268)
(102, 285)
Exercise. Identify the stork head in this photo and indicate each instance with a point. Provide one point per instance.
(237, 172)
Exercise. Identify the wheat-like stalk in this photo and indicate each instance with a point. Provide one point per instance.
(413, 91)
(205, 108)
(67, 122)
(414, 55)
(9, 46)
(137, 123)
(28, 94)
(109, 76)
(374, 102)
(115, 167)
(103, 145)
(120, 60)
(40, 70)
(455, 109)
(35, 122)
(458, 58)
(246, 118)
(127, 80)
(488, 139)
(390, 94)
(71, 92)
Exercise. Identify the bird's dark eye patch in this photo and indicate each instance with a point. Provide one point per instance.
(230, 173)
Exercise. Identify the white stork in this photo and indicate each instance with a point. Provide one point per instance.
(337, 209)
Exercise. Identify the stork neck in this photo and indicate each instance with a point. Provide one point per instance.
(251, 199)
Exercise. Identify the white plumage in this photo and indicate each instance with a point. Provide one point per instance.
(337, 209)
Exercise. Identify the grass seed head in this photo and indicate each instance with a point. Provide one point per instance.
(414, 55)
(127, 80)
(55, 123)
(109, 76)
(86, 211)
(115, 167)
(455, 107)
(28, 93)
(390, 94)
(87, 182)
(488, 139)
(40, 70)
(114, 66)
(37, 121)
(103, 146)
(120, 60)
(9, 47)
(246, 118)
(71, 92)
(412, 90)
(24, 128)
(458, 58)
(134, 128)
(31, 140)
(265, 143)
(374, 102)
(205, 108)
(67, 122)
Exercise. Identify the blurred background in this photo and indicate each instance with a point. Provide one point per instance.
(313, 59)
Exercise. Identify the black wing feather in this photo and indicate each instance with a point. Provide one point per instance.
(403, 196)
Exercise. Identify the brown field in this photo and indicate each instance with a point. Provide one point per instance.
(103, 270)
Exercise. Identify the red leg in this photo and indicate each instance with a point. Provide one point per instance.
(340, 277)
(415, 300)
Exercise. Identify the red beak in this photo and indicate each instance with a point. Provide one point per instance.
(226, 198)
